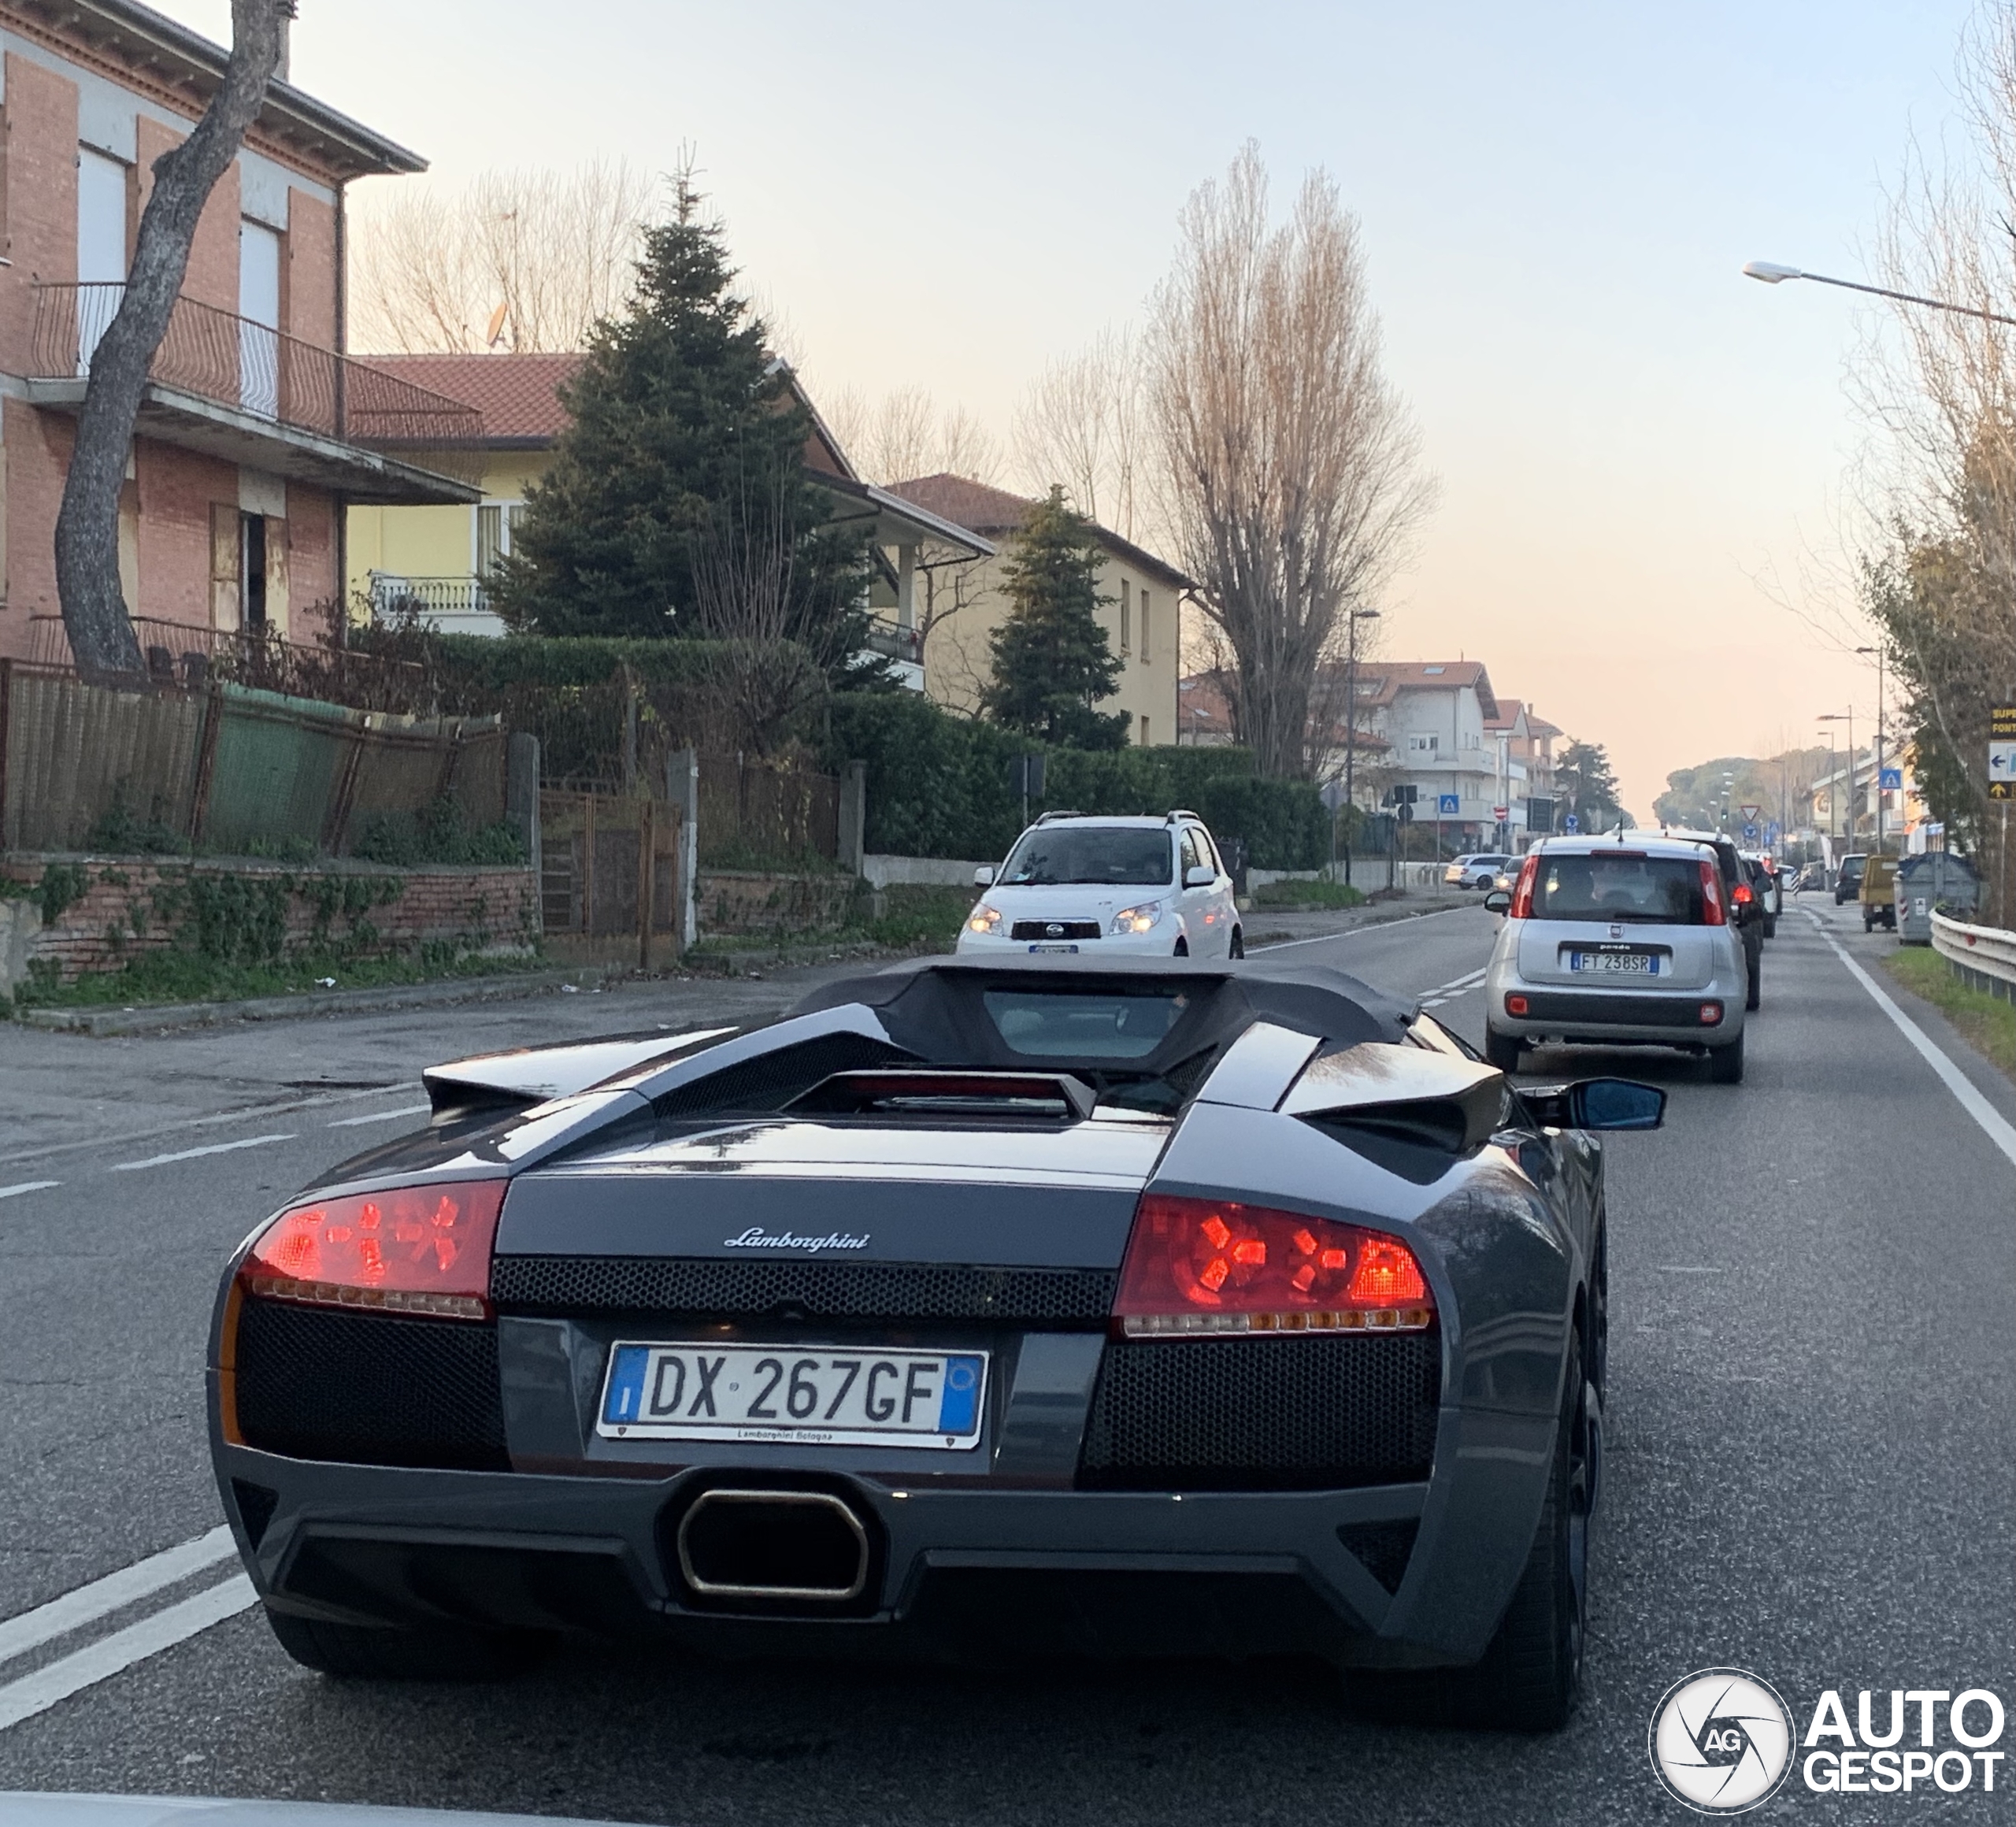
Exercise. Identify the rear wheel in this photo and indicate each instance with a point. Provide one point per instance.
(1725, 1063)
(437, 1653)
(1502, 1050)
(1753, 995)
(1182, 948)
(1238, 943)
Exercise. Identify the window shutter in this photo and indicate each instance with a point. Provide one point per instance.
(224, 566)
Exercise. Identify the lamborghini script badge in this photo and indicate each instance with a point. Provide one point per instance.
(757, 1238)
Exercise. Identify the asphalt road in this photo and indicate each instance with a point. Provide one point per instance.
(1809, 1473)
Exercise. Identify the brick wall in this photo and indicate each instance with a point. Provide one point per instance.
(486, 909)
(742, 902)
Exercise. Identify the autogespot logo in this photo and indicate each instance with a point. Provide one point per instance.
(1721, 1740)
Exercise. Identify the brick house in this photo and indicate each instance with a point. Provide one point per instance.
(254, 432)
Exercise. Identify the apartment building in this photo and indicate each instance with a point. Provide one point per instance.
(255, 431)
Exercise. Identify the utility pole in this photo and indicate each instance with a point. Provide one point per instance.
(1351, 728)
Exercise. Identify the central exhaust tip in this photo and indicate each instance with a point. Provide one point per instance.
(807, 1546)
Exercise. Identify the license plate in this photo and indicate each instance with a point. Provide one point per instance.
(816, 1395)
(1626, 964)
(1069, 948)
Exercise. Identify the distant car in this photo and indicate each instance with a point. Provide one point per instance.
(1764, 883)
(1476, 871)
(1608, 943)
(1811, 878)
(1094, 887)
(1847, 878)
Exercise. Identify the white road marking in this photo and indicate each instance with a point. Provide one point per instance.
(192, 1154)
(244, 1113)
(381, 1116)
(1996, 1127)
(1356, 932)
(87, 1604)
(27, 1186)
(110, 1656)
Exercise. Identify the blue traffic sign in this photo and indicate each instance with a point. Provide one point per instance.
(1448, 805)
(1890, 781)
(1750, 834)
(1571, 824)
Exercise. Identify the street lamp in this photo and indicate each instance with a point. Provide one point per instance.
(1848, 717)
(1878, 653)
(1350, 722)
(1773, 274)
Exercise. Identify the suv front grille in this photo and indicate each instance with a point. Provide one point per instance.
(1303, 1414)
(1055, 929)
(853, 1291)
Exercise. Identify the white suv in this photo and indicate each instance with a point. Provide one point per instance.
(1634, 943)
(1093, 887)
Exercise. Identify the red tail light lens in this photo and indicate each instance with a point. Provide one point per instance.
(1740, 894)
(416, 1250)
(1516, 1004)
(1198, 1267)
(1522, 890)
(1712, 911)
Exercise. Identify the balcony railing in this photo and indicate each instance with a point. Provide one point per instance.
(895, 643)
(393, 596)
(232, 361)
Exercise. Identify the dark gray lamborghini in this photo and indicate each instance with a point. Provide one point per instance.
(974, 1307)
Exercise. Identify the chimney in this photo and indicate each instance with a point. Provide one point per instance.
(285, 25)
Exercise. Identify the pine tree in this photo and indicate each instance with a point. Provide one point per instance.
(1583, 778)
(681, 467)
(1051, 660)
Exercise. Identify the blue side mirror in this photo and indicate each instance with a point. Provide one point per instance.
(1615, 1103)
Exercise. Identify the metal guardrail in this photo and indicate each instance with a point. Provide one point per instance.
(232, 361)
(1988, 952)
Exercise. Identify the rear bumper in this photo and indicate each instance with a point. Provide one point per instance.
(958, 1572)
(1607, 1017)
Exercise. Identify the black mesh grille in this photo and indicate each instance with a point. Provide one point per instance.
(865, 1291)
(1263, 1415)
(771, 1080)
(1055, 929)
(374, 1390)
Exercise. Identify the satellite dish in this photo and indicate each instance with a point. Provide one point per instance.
(495, 333)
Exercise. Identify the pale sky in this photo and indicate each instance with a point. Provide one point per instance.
(1556, 200)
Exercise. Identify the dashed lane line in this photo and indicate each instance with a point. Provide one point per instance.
(192, 1154)
(244, 1113)
(381, 1116)
(1996, 1127)
(1355, 931)
(87, 1604)
(111, 1656)
(28, 1186)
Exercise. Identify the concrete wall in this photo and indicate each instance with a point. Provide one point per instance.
(881, 871)
(738, 902)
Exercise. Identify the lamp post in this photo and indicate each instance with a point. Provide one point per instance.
(1350, 722)
(1773, 274)
(1878, 653)
(1848, 717)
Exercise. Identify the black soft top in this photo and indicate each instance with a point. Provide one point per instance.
(933, 1007)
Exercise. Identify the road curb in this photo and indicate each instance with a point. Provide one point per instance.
(159, 1019)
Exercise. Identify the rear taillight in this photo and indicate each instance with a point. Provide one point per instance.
(1516, 1004)
(1712, 912)
(414, 1250)
(1522, 891)
(1740, 894)
(1197, 1267)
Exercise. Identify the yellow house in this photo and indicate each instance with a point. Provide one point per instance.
(956, 603)
(435, 559)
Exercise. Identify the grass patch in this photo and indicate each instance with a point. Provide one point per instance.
(180, 975)
(1285, 897)
(918, 915)
(1987, 1022)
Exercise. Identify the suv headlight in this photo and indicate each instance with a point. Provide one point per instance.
(1141, 919)
(984, 919)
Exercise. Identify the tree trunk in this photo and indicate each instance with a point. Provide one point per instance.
(95, 611)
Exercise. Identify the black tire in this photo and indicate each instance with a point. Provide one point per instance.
(1182, 948)
(1238, 943)
(1725, 1063)
(1753, 996)
(1868, 922)
(353, 1652)
(1502, 1050)
(1599, 1311)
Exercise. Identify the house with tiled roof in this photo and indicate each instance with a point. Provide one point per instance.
(956, 608)
(438, 561)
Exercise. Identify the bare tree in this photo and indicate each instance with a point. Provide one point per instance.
(1081, 425)
(518, 259)
(905, 434)
(1292, 468)
(94, 604)
(1942, 386)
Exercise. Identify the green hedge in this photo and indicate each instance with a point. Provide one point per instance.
(938, 785)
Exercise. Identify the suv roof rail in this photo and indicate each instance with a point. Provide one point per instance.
(1177, 812)
(1062, 812)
